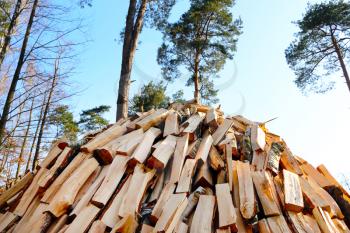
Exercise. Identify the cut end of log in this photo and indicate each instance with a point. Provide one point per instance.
(103, 156)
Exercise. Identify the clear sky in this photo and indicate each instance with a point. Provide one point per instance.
(257, 83)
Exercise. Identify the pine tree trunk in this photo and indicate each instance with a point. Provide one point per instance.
(10, 29)
(341, 61)
(17, 73)
(196, 79)
(20, 157)
(43, 121)
(35, 135)
(131, 35)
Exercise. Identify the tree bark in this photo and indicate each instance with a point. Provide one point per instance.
(35, 134)
(17, 73)
(131, 35)
(20, 157)
(341, 61)
(10, 29)
(196, 78)
(43, 121)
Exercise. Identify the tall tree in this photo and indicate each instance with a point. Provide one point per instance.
(201, 41)
(140, 12)
(64, 122)
(24, 143)
(321, 46)
(43, 122)
(152, 95)
(16, 75)
(92, 119)
(8, 25)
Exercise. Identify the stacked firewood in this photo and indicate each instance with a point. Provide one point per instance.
(183, 169)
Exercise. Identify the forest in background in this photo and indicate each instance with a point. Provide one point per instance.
(41, 40)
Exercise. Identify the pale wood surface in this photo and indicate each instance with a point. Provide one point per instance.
(55, 186)
(241, 227)
(127, 225)
(164, 196)
(163, 153)
(128, 146)
(259, 160)
(157, 187)
(235, 192)
(143, 149)
(86, 186)
(278, 224)
(29, 213)
(340, 225)
(29, 194)
(20, 185)
(171, 126)
(227, 212)
(265, 193)
(324, 221)
(84, 220)
(313, 198)
(221, 131)
(246, 191)
(111, 181)
(257, 138)
(58, 224)
(179, 158)
(204, 148)
(137, 188)
(171, 213)
(310, 171)
(293, 196)
(203, 177)
(104, 137)
(224, 230)
(215, 159)
(146, 228)
(263, 226)
(52, 155)
(203, 215)
(61, 161)
(31, 219)
(110, 216)
(301, 224)
(211, 118)
(184, 185)
(289, 162)
(228, 157)
(64, 198)
(311, 221)
(109, 149)
(89, 193)
(192, 123)
(152, 119)
(334, 208)
(7, 221)
(181, 228)
(97, 227)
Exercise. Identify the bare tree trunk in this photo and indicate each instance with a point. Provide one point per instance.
(20, 157)
(5, 157)
(341, 61)
(10, 29)
(196, 78)
(43, 121)
(17, 73)
(35, 134)
(131, 35)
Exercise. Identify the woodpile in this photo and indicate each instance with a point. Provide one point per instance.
(183, 169)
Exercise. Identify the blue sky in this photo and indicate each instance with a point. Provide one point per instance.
(257, 83)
